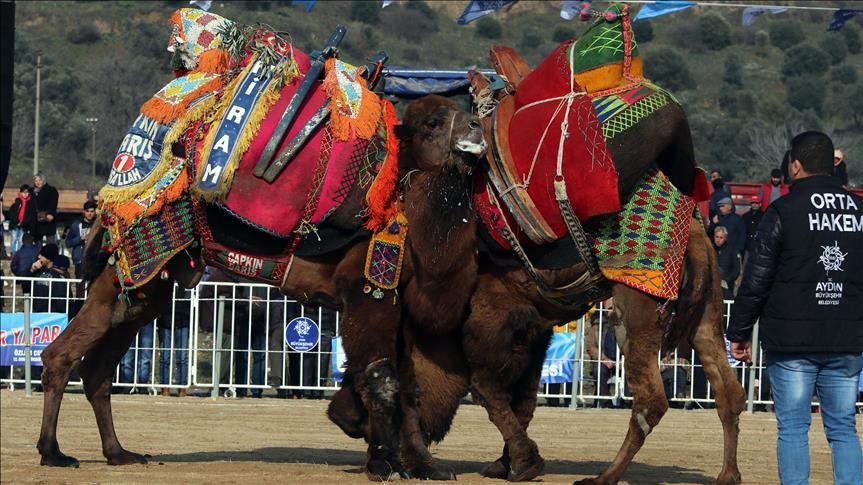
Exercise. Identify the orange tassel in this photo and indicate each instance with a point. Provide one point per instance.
(213, 61)
(383, 193)
(165, 112)
(366, 122)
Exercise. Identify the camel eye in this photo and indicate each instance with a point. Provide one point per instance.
(434, 123)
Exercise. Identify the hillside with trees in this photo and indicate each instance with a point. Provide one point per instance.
(745, 89)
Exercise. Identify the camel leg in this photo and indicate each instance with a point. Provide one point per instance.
(64, 354)
(495, 374)
(644, 339)
(97, 369)
(523, 403)
(370, 332)
(730, 397)
(414, 451)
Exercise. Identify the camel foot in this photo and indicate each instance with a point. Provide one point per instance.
(728, 479)
(432, 472)
(381, 470)
(125, 457)
(498, 469)
(594, 481)
(58, 459)
(527, 471)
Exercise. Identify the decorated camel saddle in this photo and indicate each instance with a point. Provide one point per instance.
(256, 132)
(551, 180)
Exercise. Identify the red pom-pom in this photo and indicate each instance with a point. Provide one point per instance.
(610, 16)
(584, 15)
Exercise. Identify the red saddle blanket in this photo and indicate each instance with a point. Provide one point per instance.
(278, 207)
(527, 137)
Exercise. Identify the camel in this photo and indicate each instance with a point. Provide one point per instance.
(498, 353)
(439, 147)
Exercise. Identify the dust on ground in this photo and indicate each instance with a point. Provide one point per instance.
(202, 440)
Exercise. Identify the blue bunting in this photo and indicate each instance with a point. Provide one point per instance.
(751, 13)
(480, 8)
(840, 17)
(656, 9)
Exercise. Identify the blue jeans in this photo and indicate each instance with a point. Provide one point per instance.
(144, 344)
(241, 361)
(181, 355)
(794, 378)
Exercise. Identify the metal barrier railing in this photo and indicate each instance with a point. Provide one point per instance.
(230, 338)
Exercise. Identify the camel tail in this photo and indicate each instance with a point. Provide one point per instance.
(95, 260)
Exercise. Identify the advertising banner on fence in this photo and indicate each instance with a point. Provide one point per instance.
(339, 360)
(44, 328)
(559, 362)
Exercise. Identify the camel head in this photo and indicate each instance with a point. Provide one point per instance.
(437, 136)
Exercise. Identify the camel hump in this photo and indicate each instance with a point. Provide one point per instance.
(508, 63)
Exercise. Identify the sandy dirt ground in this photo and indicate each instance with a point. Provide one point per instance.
(201, 440)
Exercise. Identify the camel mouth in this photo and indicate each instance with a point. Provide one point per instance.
(474, 143)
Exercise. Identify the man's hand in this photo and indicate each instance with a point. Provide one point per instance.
(742, 351)
(49, 217)
(716, 219)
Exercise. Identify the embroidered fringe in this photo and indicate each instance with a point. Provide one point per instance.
(213, 61)
(110, 196)
(383, 193)
(250, 131)
(130, 211)
(165, 112)
(366, 121)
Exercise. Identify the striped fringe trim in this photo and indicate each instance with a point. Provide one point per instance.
(250, 131)
(383, 193)
(131, 211)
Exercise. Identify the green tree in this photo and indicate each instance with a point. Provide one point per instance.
(530, 39)
(669, 69)
(805, 59)
(733, 70)
(786, 33)
(835, 46)
(852, 38)
(715, 31)
(489, 28)
(365, 12)
(806, 92)
(643, 30)
(844, 74)
(84, 33)
(562, 34)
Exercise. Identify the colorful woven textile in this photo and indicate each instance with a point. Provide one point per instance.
(386, 254)
(356, 110)
(620, 111)
(145, 246)
(607, 56)
(196, 32)
(172, 101)
(643, 245)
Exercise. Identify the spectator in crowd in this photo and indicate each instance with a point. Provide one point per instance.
(601, 346)
(803, 282)
(840, 170)
(720, 191)
(772, 190)
(173, 327)
(22, 217)
(751, 219)
(77, 235)
(26, 255)
(139, 355)
(733, 224)
(674, 370)
(729, 262)
(46, 198)
(50, 264)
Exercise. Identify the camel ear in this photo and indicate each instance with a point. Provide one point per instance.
(402, 131)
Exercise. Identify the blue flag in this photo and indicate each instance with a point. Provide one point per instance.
(480, 8)
(570, 9)
(656, 9)
(751, 13)
(310, 4)
(840, 17)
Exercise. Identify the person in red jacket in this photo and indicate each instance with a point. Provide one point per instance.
(772, 190)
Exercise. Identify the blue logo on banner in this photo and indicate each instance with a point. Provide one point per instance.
(559, 362)
(302, 334)
(44, 328)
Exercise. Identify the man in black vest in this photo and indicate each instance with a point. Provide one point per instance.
(804, 281)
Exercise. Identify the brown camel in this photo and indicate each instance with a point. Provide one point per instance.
(439, 147)
(499, 352)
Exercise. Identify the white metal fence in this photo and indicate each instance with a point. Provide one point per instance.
(229, 339)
